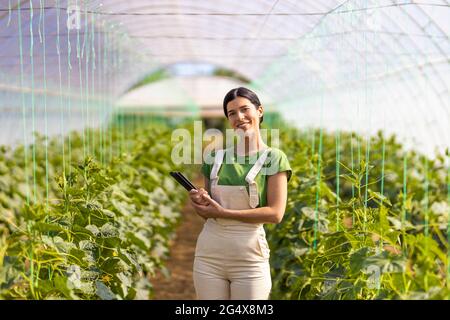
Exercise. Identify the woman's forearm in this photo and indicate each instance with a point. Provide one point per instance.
(257, 215)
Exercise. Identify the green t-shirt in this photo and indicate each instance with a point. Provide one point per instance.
(235, 168)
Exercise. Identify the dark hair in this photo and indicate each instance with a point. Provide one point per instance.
(243, 93)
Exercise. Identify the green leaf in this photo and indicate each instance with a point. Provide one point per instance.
(87, 246)
(125, 283)
(381, 198)
(139, 240)
(114, 265)
(80, 256)
(93, 229)
(84, 231)
(47, 227)
(126, 256)
(109, 231)
(109, 213)
(113, 242)
(123, 208)
(61, 285)
(387, 263)
(87, 288)
(103, 292)
(358, 258)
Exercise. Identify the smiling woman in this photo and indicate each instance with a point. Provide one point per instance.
(232, 254)
(241, 106)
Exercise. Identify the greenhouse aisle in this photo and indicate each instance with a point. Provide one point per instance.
(180, 285)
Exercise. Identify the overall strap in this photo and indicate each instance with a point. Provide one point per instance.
(250, 178)
(214, 178)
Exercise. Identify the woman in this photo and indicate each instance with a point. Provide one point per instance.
(232, 254)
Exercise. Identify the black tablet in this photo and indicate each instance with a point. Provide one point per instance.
(181, 179)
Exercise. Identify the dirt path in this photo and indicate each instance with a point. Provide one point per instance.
(180, 285)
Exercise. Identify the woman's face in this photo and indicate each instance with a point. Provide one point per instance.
(244, 115)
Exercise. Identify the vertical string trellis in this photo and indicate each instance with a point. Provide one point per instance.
(80, 99)
(33, 106)
(24, 111)
(86, 103)
(109, 87)
(44, 78)
(61, 107)
(94, 103)
(322, 85)
(383, 162)
(103, 77)
(69, 90)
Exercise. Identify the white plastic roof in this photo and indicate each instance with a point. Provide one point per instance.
(373, 64)
(247, 36)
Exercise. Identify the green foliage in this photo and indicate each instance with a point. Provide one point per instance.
(87, 229)
(354, 233)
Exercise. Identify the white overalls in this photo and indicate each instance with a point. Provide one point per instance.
(232, 257)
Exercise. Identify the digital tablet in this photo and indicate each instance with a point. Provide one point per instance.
(181, 179)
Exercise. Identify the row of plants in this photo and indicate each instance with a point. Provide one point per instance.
(364, 220)
(75, 224)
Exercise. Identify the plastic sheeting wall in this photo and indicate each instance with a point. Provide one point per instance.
(360, 65)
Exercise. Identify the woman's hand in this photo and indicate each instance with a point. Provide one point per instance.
(211, 210)
(197, 196)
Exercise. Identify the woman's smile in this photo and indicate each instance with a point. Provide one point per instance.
(244, 125)
(243, 115)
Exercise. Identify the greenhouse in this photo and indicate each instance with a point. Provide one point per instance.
(101, 101)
